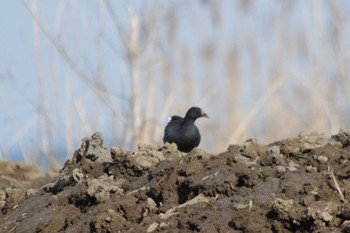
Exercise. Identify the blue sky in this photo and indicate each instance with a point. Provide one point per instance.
(222, 56)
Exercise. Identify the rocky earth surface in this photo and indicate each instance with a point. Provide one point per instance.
(299, 184)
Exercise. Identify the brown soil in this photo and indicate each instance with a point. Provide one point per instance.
(298, 184)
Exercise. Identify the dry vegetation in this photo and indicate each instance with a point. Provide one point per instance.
(260, 69)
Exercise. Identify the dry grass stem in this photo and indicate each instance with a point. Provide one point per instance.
(330, 172)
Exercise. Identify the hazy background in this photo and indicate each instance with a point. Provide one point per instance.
(263, 69)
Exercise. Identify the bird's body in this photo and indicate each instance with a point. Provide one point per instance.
(182, 131)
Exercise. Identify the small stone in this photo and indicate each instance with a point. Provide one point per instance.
(345, 226)
(296, 150)
(102, 196)
(158, 155)
(311, 169)
(274, 150)
(145, 161)
(111, 212)
(31, 192)
(163, 225)
(151, 204)
(118, 152)
(152, 227)
(280, 169)
(170, 146)
(326, 216)
(97, 139)
(283, 205)
(292, 166)
(322, 159)
(314, 191)
(77, 175)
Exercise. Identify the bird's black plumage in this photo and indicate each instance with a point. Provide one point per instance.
(182, 131)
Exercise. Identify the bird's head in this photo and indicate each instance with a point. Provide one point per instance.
(195, 112)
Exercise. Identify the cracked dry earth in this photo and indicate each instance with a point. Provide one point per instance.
(299, 184)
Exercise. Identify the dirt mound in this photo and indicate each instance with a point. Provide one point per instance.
(299, 184)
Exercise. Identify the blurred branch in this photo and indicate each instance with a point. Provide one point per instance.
(73, 64)
(252, 113)
(135, 73)
(45, 122)
(117, 26)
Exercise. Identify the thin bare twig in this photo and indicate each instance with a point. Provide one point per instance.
(330, 172)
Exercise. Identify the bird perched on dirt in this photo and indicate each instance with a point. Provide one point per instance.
(182, 131)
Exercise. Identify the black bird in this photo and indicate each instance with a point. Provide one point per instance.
(182, 131)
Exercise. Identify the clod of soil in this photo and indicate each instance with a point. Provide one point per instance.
(298, 184)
